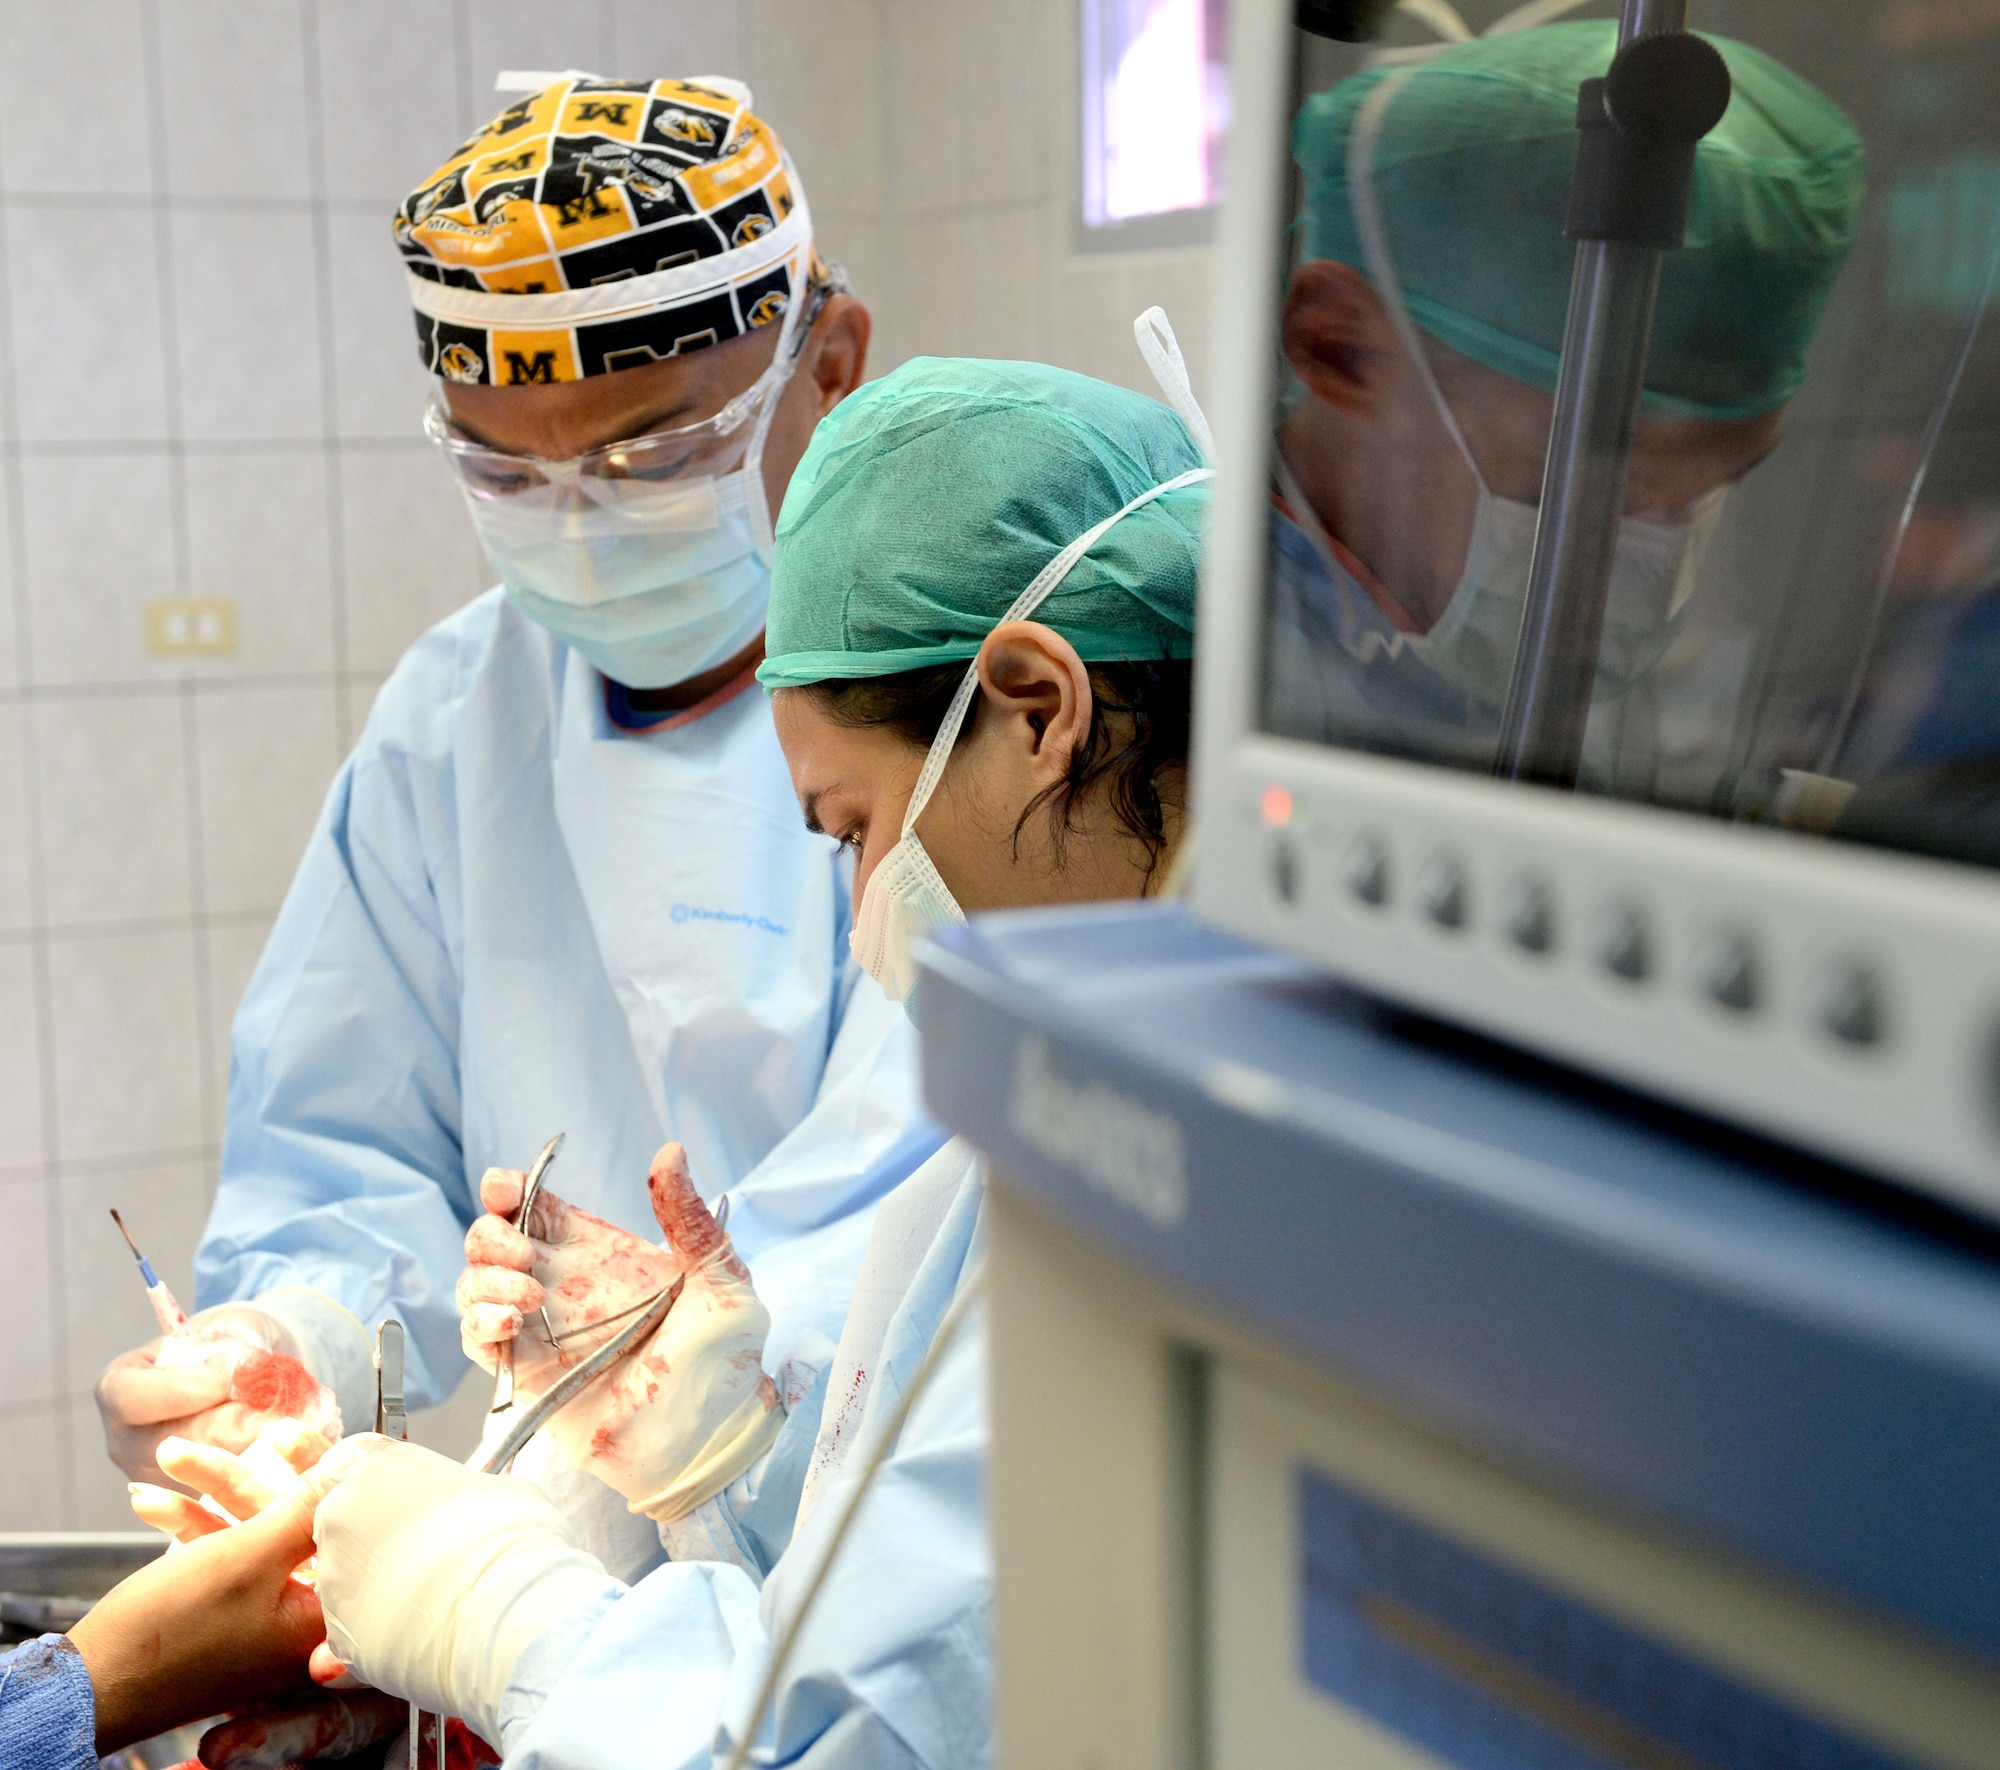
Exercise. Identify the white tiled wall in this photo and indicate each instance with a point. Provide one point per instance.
(208, 386)
(938, 144)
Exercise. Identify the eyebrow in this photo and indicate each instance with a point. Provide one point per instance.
(812, 807)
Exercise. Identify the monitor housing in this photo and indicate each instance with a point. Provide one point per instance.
(1839, 998)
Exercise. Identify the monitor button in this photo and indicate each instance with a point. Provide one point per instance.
(1441, 890)
(1728, 971)
(1626, 947)
(1528, 913)
(1284, 861)
(1851, 1003)
(1368, 869)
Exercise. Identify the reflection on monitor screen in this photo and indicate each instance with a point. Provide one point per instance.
(1802, 625)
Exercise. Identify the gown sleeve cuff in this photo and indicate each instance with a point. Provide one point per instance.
(333, 1345)
(544, 1660)
(48, 1711)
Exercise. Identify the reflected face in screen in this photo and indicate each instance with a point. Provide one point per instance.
(1424, 308)
(1369, 450)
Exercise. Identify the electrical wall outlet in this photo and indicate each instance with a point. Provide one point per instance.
(191, 626)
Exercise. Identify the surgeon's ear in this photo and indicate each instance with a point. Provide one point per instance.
(1038, 691)
(1338, 337)
(839, 356)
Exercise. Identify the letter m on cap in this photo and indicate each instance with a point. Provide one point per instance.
(523, 368)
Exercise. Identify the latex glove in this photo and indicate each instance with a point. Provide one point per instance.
(435, 1579)
(581, 1268)
(679, 1419)
(235, 1371)
(232, 1486)
(220, 1622)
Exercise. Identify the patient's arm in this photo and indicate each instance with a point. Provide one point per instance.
(206, 1629)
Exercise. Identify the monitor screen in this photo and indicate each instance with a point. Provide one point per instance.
(1801, 627)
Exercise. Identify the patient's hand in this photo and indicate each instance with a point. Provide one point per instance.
(207, 1628)
(237, 1486)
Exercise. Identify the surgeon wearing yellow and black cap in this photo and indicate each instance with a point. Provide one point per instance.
(1422, 333)
(561, 884)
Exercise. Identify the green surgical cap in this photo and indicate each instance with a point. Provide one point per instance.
(1472, 171)
(930, 499)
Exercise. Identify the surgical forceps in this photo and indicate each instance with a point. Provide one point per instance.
(503, 1372)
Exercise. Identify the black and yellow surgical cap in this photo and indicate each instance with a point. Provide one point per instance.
(600, 225)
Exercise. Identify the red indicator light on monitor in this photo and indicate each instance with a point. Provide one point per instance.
(1277, 805)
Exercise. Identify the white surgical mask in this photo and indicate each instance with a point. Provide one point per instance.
(906, 897)
(1653, 573)
(652, 584)
(1655, 562)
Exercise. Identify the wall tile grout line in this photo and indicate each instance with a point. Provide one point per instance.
(245, 204)
(198, 905)
(41, 984)
(159, 688)
(333, 489)
(252, 447)
(470, 116)
(138, 1161)
(163, 260)
(50, 933)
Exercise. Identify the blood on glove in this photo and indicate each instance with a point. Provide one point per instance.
(584, 1274)
(692, 1408)
(268, 1384)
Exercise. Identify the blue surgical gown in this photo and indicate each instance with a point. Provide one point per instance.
(516, 918)
(894, 1665)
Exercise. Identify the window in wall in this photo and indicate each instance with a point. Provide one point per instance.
(1155, 108)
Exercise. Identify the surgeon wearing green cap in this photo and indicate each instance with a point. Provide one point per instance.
(1423, 332)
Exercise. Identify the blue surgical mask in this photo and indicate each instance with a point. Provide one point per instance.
(651, 594)
(646, 566)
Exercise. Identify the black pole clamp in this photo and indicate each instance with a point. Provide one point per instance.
(1637, 130)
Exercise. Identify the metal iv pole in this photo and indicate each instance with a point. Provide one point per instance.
(1637, 130)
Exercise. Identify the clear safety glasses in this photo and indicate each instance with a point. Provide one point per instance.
(634, 470)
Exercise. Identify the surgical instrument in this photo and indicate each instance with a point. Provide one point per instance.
(392, 1420)
(503, 1374)
(168, 1313)
(573, 1382)
(391, 1416)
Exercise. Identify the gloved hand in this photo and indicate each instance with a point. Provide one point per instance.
(273, 1735)
(236, 1370)
(236, 1485)
(679, 1419)
(434, 1579)
(579, 1267)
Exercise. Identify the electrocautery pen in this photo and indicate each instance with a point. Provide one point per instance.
(169, 1314)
